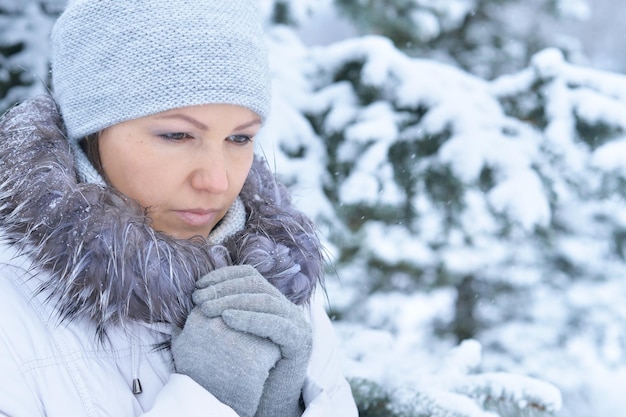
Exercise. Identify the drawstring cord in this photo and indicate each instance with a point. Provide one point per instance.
(134, 354)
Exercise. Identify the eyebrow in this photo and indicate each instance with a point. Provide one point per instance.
(202, 126)
(251, 123)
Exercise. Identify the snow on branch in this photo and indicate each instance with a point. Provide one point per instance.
(455, 388)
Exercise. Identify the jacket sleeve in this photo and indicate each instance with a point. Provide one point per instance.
(181, 396)
(326, 392)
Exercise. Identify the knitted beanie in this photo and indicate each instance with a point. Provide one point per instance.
(118, 60)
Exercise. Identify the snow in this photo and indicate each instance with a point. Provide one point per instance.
(382, 354)
(427, 23)
(540, 176)
(578, 9)
(522, 197)
(35, 52)
(394, 245)
(611, 157)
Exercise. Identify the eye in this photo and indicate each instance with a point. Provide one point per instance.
(175, 136)
(240, 139)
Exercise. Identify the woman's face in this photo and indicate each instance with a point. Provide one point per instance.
(185, 166)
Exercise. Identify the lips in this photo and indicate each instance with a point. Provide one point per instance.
(197, 217)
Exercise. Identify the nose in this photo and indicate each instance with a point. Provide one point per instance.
(209, 172)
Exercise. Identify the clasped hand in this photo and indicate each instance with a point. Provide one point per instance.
(246, 343)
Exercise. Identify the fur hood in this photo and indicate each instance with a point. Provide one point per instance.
(103, 259)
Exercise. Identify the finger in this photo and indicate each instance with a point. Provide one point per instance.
(201, 332)
(259, 303)
(293, 336)
(226, 273)
(250, 284)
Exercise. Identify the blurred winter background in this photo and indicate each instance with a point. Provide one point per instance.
(465, 161)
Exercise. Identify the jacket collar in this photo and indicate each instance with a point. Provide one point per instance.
(103, 259)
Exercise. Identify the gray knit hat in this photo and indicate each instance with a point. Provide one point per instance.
(117, 60)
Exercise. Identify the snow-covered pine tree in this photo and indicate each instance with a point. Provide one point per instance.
(342, 110)
(581, 114)
(458, 208)
(484, 37)
(24, 33)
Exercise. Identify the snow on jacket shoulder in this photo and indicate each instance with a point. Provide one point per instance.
(60, 369)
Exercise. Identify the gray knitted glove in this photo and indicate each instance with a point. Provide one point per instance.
(230, 364)
(247, 302)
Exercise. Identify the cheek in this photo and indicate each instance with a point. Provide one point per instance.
(143, 185)
(242, 169)
(140, 178)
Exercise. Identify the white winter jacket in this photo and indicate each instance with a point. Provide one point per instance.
(61, 370)
(99, 264)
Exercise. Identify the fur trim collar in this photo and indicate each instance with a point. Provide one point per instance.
(103, 259)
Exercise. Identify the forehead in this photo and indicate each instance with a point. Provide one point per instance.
(204, 117)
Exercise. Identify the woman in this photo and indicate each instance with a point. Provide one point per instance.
(152, 265)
